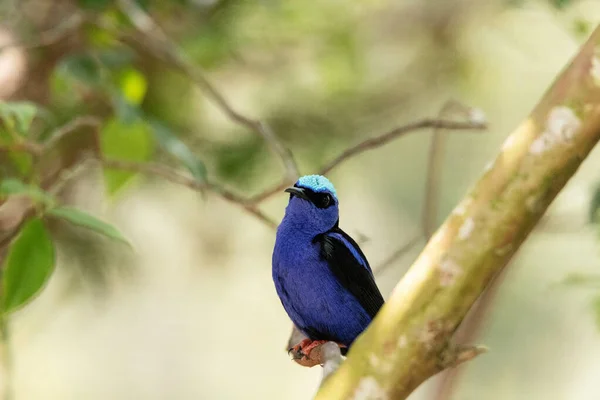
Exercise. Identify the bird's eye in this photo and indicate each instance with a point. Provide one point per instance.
(326, 200)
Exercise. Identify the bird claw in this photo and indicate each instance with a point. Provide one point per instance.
(303, 349)
(297, 351)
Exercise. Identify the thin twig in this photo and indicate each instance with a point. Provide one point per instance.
(332, 359)
(376, 142)
(189, 182)
(68, 175)
(161, 46)
(476, 120)
(381, 140)
(435, 162)
(268, 193)
(23, 147)
(460, 354)
(432, 183)
(50, 36)
(70, 127)
(144, 168)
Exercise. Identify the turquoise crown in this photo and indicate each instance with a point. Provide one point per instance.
(317, 183)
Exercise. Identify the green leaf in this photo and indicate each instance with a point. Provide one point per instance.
(28, 266)
(171, 143)
(22, 161)
(81, 218)
(124, 141)
(133, 85)
(18, 116)
(12, 186)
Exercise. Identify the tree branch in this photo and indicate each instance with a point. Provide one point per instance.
(50, 36)
(159, 44)
(376, 142)
(69, 128)
(381, 140)
(189, 182)
(151, 169)
(432, 183)
(435, 162)
(414, 328)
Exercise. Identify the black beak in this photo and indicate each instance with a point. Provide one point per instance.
(299, 192)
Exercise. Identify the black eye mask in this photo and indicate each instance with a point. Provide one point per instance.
(319, 199)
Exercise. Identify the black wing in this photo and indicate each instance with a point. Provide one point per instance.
(350, 266)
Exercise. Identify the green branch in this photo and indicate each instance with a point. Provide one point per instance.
(410, 340)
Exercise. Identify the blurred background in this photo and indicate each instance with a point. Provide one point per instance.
(192, 313)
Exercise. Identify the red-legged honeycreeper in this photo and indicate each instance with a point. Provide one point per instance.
(322, 277)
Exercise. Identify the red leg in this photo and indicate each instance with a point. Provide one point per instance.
(303, 349)
(307, 349)
(296, 351)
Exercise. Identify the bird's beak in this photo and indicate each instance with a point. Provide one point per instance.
(297, 192)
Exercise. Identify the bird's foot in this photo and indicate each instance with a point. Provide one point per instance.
(307, 349)
(303, 349)
(297, 350)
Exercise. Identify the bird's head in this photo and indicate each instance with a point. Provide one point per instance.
(313, 205)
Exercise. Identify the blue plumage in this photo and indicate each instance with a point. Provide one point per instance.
(322, 277)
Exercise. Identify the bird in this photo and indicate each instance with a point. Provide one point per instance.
(321, 275)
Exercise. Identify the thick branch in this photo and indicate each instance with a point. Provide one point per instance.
(412, 332)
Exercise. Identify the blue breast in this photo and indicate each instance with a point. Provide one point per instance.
(313, 298)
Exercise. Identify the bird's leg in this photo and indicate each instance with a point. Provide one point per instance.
(296, 350)
(307, 349)
(303, 349)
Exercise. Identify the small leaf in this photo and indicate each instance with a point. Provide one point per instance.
(133, 85)
(171, 143)
(81, 218)
(125, 141)
(16, 187)
(28, 266)
(18, 115)
(22, 161)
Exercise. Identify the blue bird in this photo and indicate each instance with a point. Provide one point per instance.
(321, 275)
